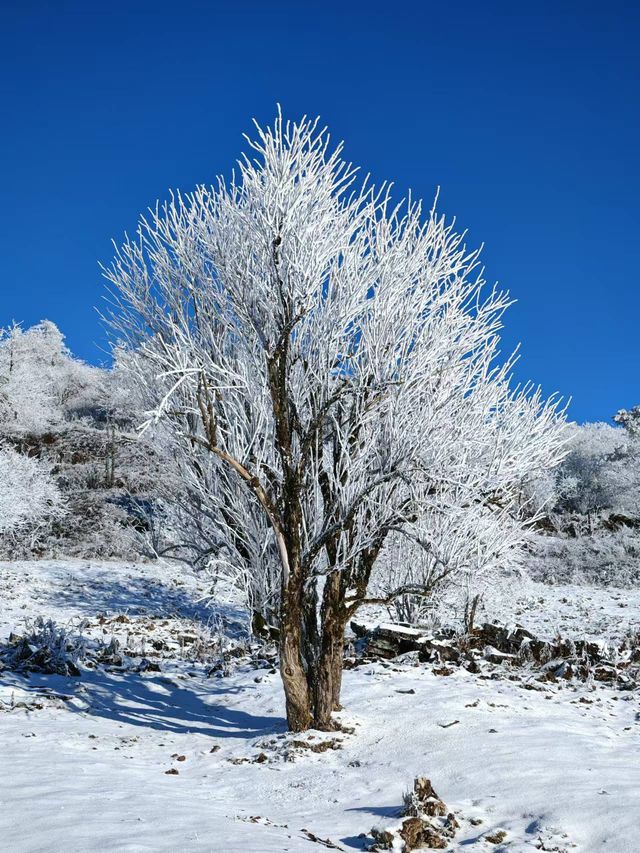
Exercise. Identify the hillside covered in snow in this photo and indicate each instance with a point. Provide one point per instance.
(167, 740)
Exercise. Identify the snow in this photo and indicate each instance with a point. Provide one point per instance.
(579, 612)
(87, 770)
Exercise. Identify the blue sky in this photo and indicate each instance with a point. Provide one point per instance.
(526, 114)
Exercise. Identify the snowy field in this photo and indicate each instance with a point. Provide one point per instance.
(85, 760)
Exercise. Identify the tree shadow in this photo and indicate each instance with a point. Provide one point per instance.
(148, 596)
(363, 841)
(357, 842)
(378, 811)
(157, 702)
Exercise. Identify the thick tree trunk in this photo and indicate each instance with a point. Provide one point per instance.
(327, 675)
(296, 691)
(294, 677)
(294, 674)
(311, 656)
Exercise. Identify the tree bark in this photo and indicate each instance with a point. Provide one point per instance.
(337, 665)
(294, 677)
(327, 676)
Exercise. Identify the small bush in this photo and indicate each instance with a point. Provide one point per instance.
(46, 648)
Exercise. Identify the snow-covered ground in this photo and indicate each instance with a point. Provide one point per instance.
(84, 760)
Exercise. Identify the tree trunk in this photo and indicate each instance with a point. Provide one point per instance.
(338, 668)
(327, 674)
(328, 677)
(296, 691)
(310, 631)
(294, 676)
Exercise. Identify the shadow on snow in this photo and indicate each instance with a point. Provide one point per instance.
(116, 592)
(156, 702)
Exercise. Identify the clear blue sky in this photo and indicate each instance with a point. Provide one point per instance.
(526, 114)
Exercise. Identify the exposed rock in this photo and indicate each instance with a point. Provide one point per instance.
(499, 637)
(426, 822)
(389, 641)
(496, 837)
(383, 839)
(417, 833)
(616, 520)
(321, 746)
(605, 672)
(146, 665)
(494, 655)
(359, 629)
(561, 658)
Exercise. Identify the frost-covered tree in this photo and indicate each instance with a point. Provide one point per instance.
(592, 530)
(75, 421)
(215, 517)
(630, 420)
(29, 496)
(335, 355)
(600, 473)
(41, 384)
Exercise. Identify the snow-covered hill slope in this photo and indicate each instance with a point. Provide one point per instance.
(84, 760)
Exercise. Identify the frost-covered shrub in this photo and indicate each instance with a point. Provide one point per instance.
(599, 473)
(67, 425)
(606, 558)
(41, 384)
(593, 523)
(29, 497)
(45, 647)
(468, 547)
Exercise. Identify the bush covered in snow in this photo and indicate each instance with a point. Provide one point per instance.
(592, 530)
(605, 558)
(45, 647)
(30, 500)
(66, 438)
